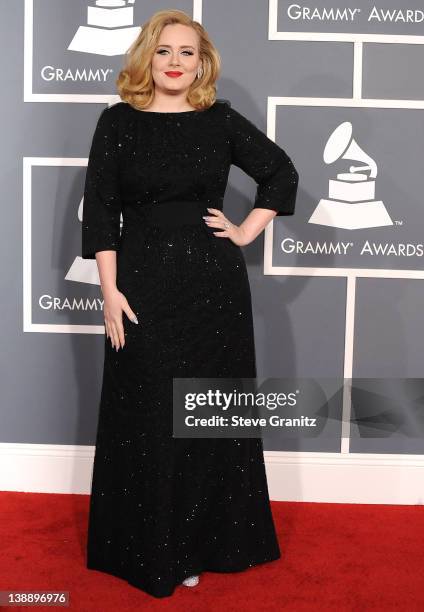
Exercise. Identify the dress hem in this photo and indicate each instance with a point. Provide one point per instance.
(192, 572)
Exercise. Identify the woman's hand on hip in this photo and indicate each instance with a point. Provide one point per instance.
(227, 229)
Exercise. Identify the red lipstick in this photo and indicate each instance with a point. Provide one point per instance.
(173, 74)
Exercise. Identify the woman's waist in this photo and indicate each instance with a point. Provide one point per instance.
(169, 214)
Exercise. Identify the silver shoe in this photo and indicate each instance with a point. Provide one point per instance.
(191, 581)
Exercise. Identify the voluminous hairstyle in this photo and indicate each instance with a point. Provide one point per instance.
(135, 82)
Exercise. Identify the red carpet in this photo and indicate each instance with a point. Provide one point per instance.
(335, 557)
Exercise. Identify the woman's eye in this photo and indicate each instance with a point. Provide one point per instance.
(162, 51)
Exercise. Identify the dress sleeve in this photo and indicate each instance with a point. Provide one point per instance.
(101, 209)
(267, 163)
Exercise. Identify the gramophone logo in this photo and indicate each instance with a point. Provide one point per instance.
(351, 200)
(101, 36)
(110, 28)
(85, 270)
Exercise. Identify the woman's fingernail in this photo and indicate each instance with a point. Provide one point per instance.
(205, 217)
(134, 320)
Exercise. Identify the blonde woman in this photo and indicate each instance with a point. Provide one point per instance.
(176, 304)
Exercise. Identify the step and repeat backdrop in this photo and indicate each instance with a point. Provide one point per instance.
(337, 289)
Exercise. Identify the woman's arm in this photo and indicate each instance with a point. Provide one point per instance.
(255, 222)
(106, 263)
(102, 203)
(101, 222)
(272, 169)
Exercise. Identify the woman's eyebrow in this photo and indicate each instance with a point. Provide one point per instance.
(181, 46)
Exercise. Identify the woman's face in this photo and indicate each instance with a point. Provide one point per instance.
(177, 52)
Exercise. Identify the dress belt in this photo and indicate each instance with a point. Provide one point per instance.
(177, 212)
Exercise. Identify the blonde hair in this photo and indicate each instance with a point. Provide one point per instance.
(135, 82)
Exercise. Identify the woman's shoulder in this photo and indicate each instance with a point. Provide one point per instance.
(227, 107)
(224, 107)
(115, 116)
(116, 108)
(110, 114)
(225, 101)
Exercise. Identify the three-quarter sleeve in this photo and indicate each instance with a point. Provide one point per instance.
(102, 201)
(267, 163)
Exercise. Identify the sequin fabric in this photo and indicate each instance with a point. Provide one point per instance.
(162, 508)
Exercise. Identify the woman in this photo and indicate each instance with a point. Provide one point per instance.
(176, 304)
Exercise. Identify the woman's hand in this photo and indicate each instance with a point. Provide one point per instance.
(115, 303)
(229, 230)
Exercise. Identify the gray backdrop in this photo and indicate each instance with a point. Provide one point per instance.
(315, 71)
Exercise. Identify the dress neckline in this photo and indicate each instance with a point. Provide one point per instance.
(172, 112)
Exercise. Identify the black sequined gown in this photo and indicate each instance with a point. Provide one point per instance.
(164, 508)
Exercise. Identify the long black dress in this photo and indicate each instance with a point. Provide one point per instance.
(165, 508)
